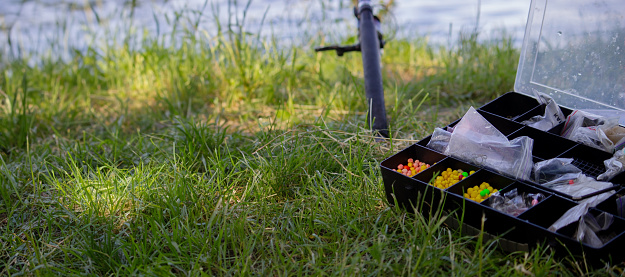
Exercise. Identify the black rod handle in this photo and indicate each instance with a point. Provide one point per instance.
(370, 48)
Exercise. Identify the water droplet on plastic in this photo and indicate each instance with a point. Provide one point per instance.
(559, 33)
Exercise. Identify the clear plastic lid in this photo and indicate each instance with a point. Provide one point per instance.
(574, 50)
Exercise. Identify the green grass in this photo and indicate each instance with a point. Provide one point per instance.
(228, 155)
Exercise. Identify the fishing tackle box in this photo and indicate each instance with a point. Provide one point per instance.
(573, 51)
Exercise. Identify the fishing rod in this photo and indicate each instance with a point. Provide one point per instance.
(370, 42)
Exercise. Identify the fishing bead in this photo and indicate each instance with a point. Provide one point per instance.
(412, 167)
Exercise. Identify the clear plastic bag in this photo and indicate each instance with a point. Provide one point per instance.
(513, 203)
(614, 166)
(575, 213)
(439, 140)
(552, 117)
(555, 171)
(581, 186)
(594, 130)
(589, 225)
(477, 141)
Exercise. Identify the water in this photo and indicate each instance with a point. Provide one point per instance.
(30, 25)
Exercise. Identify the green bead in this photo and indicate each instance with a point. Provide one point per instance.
(465, 174)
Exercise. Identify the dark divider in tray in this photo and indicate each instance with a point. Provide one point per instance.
(540, 110)
(548, 211)
(454, 123)
(619, 179)
(403, 189)
(557, 130)
(510, 105)
(505, 126)
(615, 204)
(566, 111)
(546, 146)
(424, 141)
(588, 159)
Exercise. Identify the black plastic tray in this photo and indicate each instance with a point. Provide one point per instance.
(530, 227)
